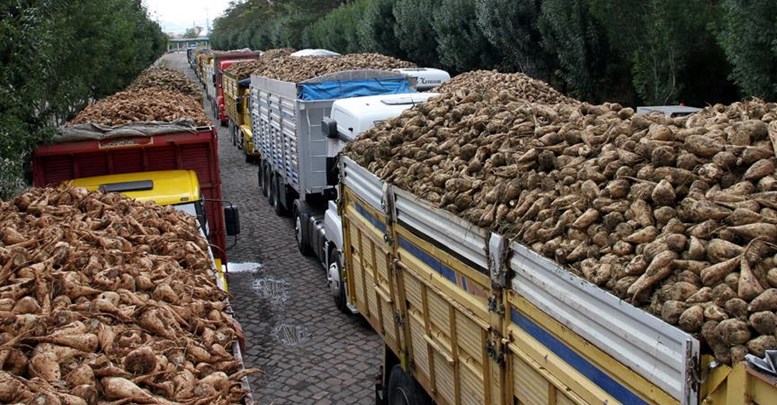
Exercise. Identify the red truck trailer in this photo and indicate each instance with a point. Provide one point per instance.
(215, 90)
(86, 152)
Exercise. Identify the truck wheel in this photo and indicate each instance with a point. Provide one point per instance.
(280, 210)
(334, 278)
(301, 216)
(273, 192)
(260, 177)
(403, 389)
(223, 123)
(266, 182)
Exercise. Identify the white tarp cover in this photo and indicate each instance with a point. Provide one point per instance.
(79, 132)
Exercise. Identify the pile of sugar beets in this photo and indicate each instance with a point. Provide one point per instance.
(676, 215)
(301, 68)
(143, 105)
(157, 94)
(164, 78)
(103, 298)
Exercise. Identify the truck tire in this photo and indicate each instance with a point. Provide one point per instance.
(260, 177)
(403, 389)
(266, 181)
(273, 192)
(335, 274)
(301, 217)
(280, 189)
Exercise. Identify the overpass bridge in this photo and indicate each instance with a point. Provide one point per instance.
(180, 44)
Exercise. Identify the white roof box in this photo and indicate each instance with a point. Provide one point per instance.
(427, 78)
(315, 52)
(668, 110)
(357, 114)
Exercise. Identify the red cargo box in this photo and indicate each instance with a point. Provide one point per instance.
(193, 150)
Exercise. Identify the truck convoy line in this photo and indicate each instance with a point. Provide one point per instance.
(467, 316)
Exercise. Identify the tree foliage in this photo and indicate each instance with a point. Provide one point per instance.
(461, 44)
(579, 43)
(58, 55)
(511, 26)
(414, 31)
(338, 30)
(748, 36)
(376, 29)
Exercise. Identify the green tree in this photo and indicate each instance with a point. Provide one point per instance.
(376, 29)
(579, 44)
(748, 36)
(461, 44)
(58, 55)
(511, 26)
(192, 32)
(659, 38)
(337, 31)
(414, 31)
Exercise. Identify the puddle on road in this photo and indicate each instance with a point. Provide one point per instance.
(247, 267)
(291, 335)
(276, 290)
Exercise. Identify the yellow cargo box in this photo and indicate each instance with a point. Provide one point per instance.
(477, 319)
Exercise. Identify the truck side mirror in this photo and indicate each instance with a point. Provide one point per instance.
(232, 220)
(329, 127)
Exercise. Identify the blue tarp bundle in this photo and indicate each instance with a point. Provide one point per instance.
(353, 88)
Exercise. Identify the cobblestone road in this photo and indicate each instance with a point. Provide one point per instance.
(309, 352)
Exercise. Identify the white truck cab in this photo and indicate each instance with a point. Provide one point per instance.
(671, 111)
(315, 52)
(348, 118)
(352, 116)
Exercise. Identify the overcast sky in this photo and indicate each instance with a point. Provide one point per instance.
(178, 15)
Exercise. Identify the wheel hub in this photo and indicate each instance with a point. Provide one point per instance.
(298, 230)
(333, 279)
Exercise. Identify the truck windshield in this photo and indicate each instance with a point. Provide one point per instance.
(196, 210)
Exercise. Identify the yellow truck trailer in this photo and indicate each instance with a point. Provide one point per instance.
(469, 317)
(237, 99)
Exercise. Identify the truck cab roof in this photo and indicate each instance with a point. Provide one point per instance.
(426, 78)
(668, 110)
(358, 114)
(315, 52)
(168, 187)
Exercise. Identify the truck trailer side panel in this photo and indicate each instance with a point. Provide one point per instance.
(196, 151)
(432, 294)
(287, 116)
(539, 336)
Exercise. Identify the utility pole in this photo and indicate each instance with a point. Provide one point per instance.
(207, 23)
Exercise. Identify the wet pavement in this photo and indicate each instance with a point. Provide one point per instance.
(308, 351)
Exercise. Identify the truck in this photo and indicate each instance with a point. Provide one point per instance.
(295, 172)
(470, 317)
(214, 84)
(237, 100)
(145, 156)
